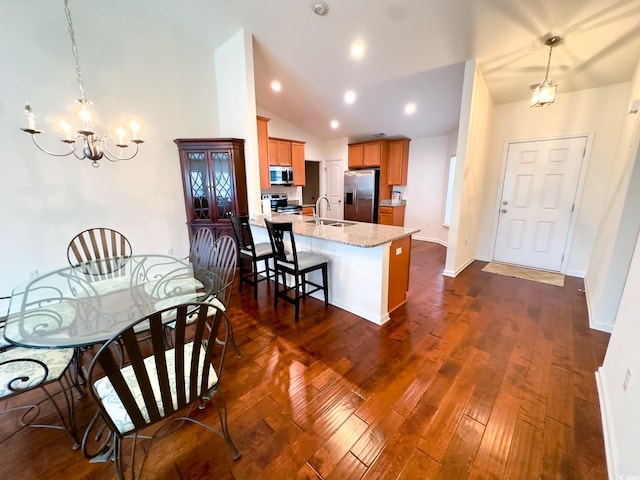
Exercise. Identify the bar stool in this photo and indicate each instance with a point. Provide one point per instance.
(251, 253)
(296, 264)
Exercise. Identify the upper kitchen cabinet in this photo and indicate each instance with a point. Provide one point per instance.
(398, 161)
(214, 182)
(297, 162)
(279, 152)
(356, 155)
(371, 154)
(263, 152)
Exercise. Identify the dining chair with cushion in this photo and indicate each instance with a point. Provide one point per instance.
(99, 251)
(251, 254)
(201, 248)
(158, 381)
(289, 261)
(26, 369)
(219, 257)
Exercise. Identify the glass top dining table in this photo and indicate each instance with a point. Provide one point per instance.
(87, 304)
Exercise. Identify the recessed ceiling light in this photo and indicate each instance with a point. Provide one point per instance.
(410, 108)
(276, 86)
(335, 124)
(357, 49)
(350, 96)
(320, 8)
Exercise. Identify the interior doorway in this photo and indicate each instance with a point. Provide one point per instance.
(538, 202)
(311, 189)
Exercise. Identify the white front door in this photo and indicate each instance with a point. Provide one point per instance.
(334, 188)
(538, 195)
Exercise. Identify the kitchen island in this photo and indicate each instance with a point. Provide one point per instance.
(368, 263)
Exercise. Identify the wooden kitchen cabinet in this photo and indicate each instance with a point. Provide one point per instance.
(356, 155)
(398, 161)
(399, 266)
(374, 153)
(371, 154)
(279, 152)
(391, 215)
(297, 162)
(214, 182)
(263, 152)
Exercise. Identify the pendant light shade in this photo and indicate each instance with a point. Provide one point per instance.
(545, 93)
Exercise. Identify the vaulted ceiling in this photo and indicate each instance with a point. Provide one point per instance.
(415, 52)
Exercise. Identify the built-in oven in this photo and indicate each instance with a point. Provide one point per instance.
(281, 175)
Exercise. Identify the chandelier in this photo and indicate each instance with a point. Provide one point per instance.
(85, 142)
(545, 93)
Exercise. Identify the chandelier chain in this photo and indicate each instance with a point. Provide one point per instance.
(75, 50)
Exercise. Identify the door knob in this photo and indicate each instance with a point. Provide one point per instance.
(504, 210)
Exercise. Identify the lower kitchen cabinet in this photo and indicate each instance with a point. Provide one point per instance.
(391, 215)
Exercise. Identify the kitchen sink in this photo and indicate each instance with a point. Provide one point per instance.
(332, 223)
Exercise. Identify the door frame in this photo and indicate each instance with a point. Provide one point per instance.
(579, 188)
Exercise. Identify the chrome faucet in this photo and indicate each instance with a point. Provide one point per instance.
(316, 210)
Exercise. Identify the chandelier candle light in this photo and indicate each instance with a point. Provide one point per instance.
(85, 143)
(545, 93)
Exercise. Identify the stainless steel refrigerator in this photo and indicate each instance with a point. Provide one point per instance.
(361, 195)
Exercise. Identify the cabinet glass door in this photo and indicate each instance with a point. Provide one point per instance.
(222, 183)
(199, 185)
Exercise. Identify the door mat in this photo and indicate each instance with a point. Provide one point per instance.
(532, 274)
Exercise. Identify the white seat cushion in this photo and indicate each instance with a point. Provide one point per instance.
(56, 360)
(170, 315)
(305, 260)
(263, 249)
(175, 286)
(113, 404)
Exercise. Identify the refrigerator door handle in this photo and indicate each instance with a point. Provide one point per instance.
(355, 193)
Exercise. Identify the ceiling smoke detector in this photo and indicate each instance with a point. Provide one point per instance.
(320, 8)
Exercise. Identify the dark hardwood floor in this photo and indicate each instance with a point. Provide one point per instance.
(481, 376)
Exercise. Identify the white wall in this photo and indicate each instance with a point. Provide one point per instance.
(598, 111)
(619, 225)
(614, 274)
(471, 170)
(237, 106)
(133, 64)
(426, 182)
(619, 408)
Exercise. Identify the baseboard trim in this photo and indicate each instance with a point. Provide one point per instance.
(607, 425)
(602, 327)
(450, 273)
(429, 239)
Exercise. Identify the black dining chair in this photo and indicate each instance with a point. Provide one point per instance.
(99, 251)
(26, 369)
(158, 382)
(288, 260)
(251, 254)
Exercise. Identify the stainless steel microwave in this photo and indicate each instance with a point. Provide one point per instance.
(281, 175)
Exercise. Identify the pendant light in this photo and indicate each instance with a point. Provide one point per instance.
(545, 93)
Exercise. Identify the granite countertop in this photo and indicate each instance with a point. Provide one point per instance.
(393, 203)
(358, 234)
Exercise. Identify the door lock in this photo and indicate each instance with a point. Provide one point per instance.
(505, 203)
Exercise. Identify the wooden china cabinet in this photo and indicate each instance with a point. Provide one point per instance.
(214, 182)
